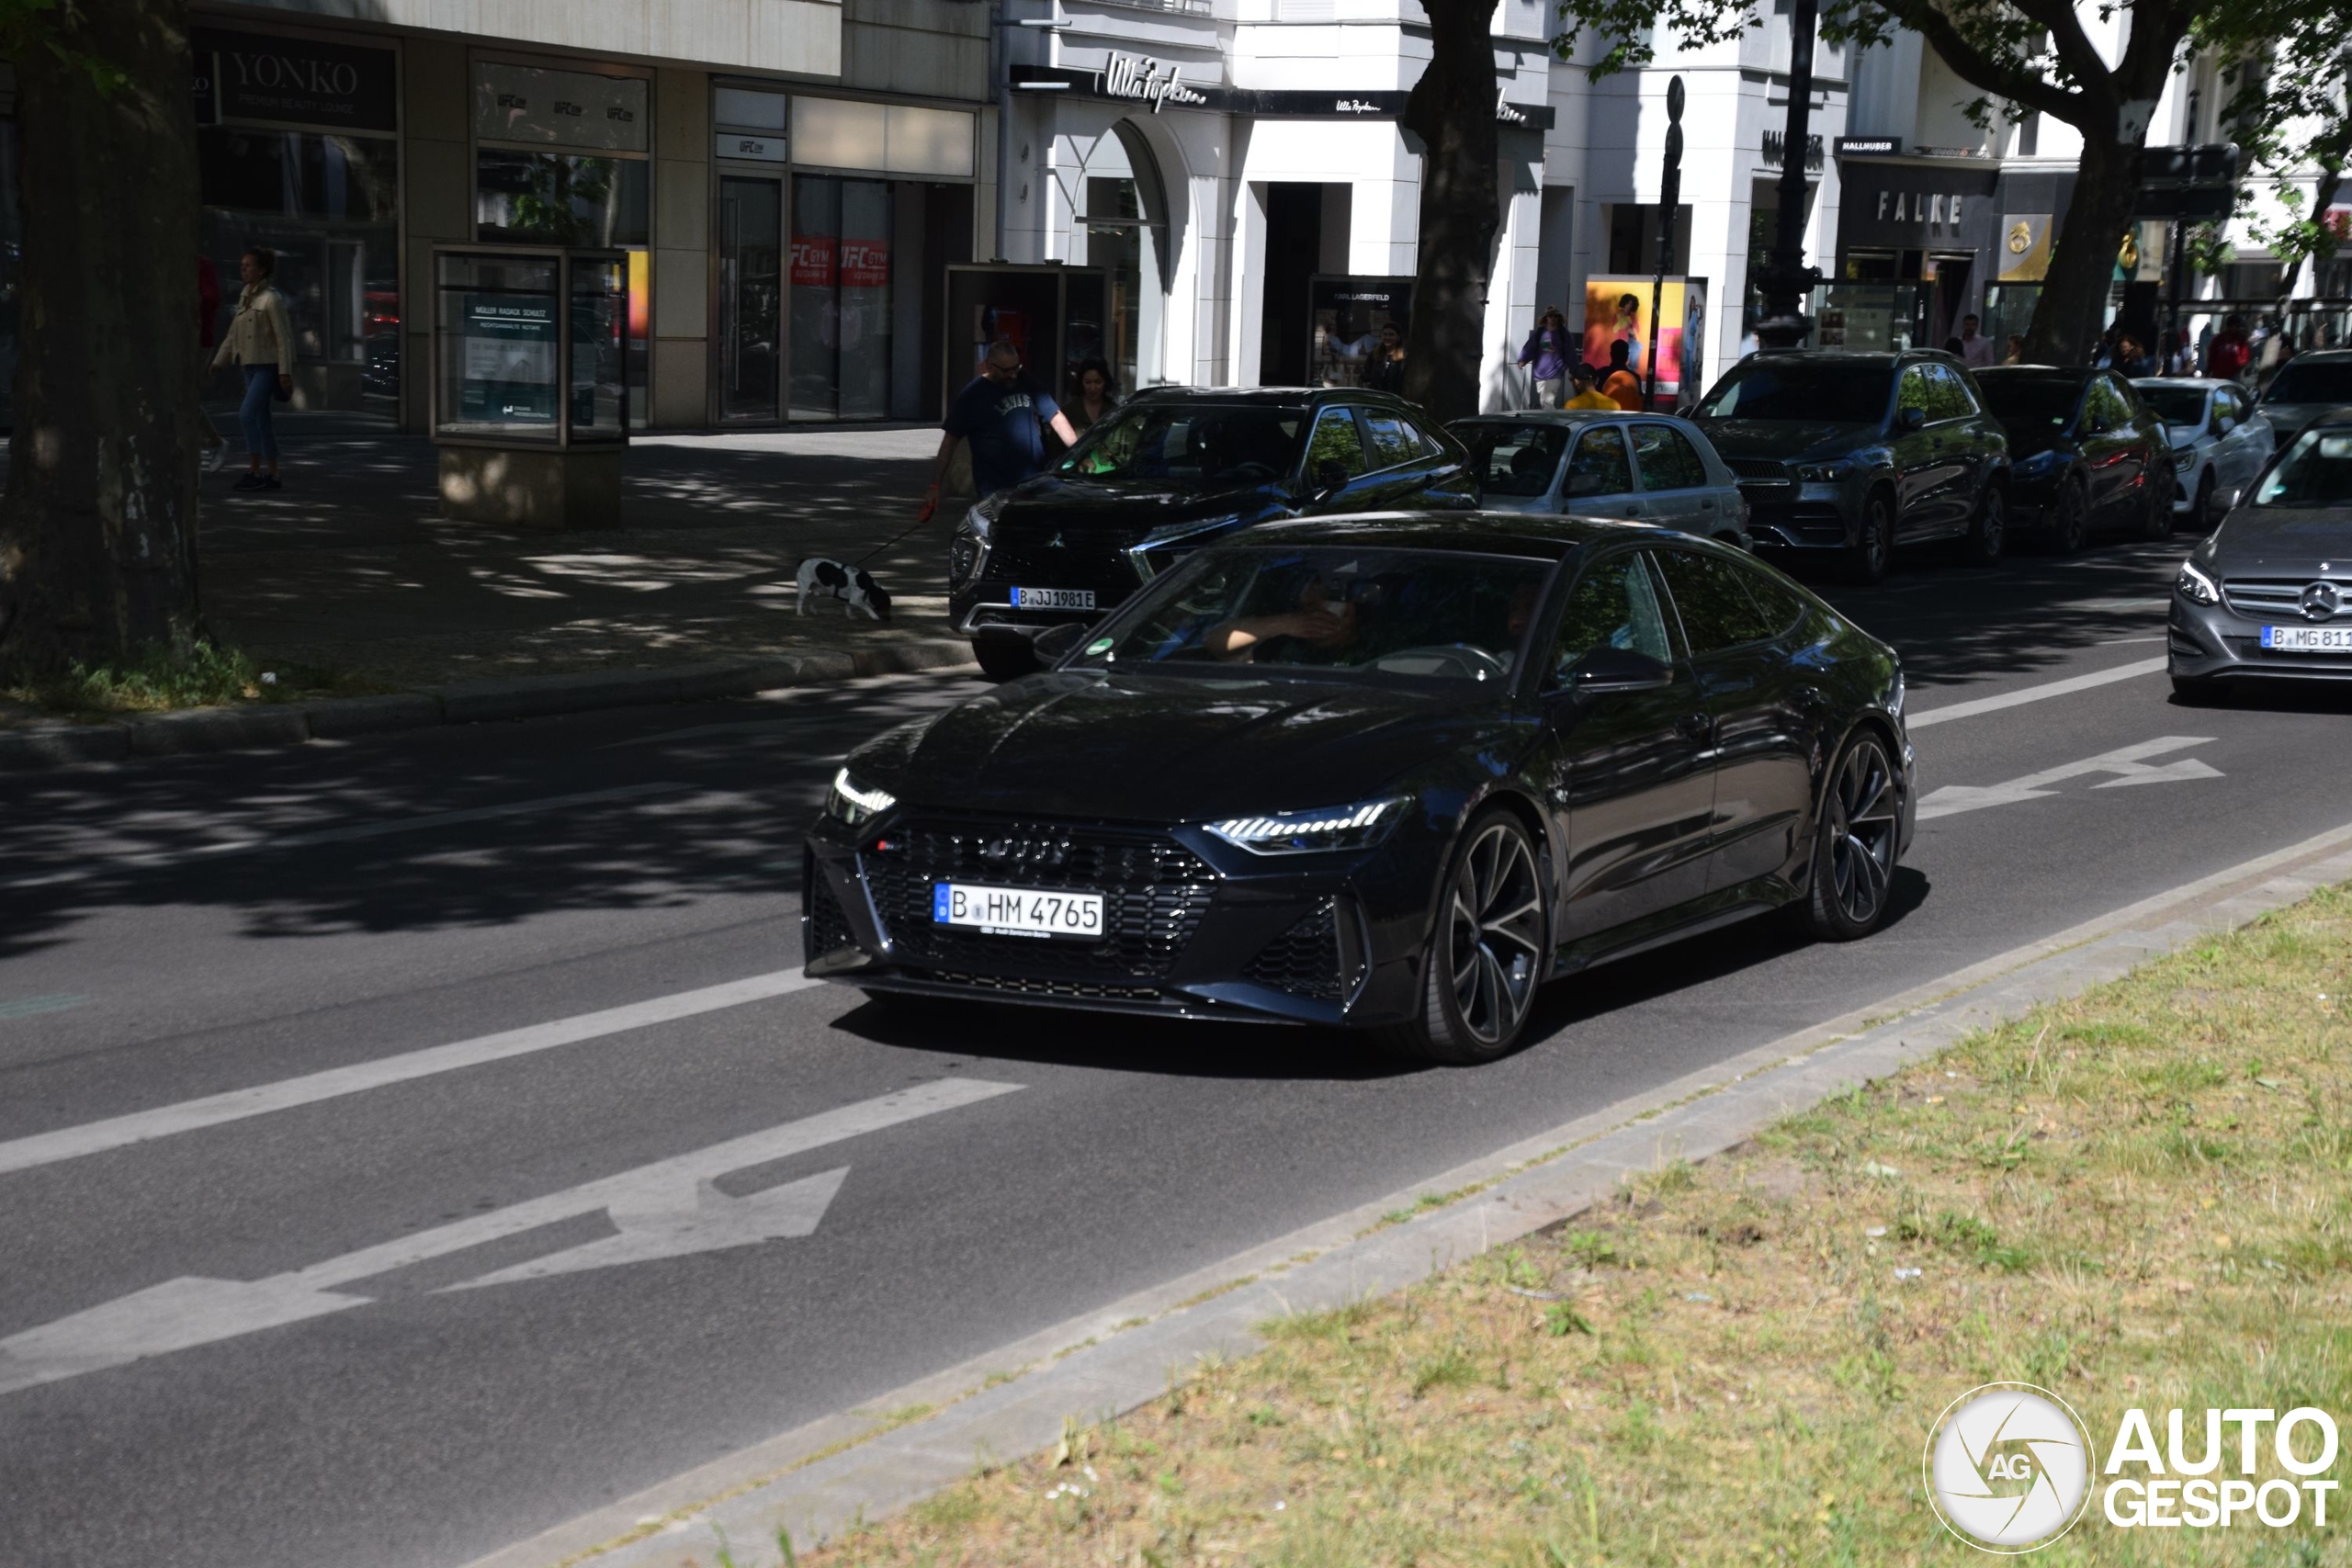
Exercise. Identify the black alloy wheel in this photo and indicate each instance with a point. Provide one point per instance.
(1989, 531)
(2202, 518)
(1855, 843)
(1488, 950)
(1867, 561)
(2070, 519)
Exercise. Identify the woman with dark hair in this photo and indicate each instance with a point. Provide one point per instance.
(260, 340)
(1091, 394)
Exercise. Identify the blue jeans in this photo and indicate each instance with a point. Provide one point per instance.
(252, 414)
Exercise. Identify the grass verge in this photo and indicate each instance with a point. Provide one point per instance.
(2140, 1197)
(213, 676)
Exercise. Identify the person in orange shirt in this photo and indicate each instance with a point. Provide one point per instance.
(1620, 383)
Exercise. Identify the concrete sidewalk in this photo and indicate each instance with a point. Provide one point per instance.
(351, 569)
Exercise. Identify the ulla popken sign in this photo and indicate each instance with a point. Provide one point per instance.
(293, 80)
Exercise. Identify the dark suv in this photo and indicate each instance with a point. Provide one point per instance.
(1168, 472)
(1857, 453)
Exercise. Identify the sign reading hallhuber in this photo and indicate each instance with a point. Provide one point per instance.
(559, 108)
(293, 80)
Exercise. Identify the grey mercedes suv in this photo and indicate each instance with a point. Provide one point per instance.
(1854, 454)
(2268, 595)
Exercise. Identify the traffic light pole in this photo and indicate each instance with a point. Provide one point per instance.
(1784, 279)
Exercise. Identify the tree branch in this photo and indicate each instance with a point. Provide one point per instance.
(1978, 68)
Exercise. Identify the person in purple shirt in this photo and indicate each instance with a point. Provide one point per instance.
(1547, 351)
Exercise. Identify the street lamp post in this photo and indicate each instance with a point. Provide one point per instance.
(1784, 279)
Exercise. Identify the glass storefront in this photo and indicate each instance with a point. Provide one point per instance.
(1120, 229)
(326, 199)
(751, 297)
(841, 249)
(563, 158)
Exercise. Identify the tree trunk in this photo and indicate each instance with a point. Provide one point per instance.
(1452, 110)
(2072, 311)
(97, 526)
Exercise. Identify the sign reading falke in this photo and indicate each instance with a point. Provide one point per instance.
(293, 80)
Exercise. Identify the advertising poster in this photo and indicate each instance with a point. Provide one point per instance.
(510, 357)
(1347, 315)
(1691, 375)
(1618, 309)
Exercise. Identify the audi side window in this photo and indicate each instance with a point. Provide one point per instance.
(1393, 440)
(1336, 441)
(1717, 612)
(1613, 606)
(1780, 605)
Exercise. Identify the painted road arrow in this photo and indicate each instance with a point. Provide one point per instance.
(668, 1209)
(2128, 764)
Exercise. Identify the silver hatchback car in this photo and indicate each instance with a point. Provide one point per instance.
(1604, 463)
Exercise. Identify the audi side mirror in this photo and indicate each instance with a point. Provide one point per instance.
(1057, 643)
(1605, 671)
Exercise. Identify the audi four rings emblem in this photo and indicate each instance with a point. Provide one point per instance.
(2322, 601)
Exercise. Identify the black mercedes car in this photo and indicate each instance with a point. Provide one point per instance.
(2269, 593)
(1391, 772)
(1170, 470)
(1851, 453)
(2086, 451)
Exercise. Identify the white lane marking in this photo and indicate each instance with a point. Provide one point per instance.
(152, 859)
(2066, 687)
(2127, 764)
(260, 1099)
(659, 1210)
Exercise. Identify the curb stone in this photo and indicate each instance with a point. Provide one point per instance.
(1092, 1369)
(194, 730)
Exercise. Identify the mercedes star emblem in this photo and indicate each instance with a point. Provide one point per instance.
(2321, 601)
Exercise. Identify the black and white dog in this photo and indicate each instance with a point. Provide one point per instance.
(821, 577)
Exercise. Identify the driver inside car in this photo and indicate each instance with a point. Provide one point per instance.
(1324, 621)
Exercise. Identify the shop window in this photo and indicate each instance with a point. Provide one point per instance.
(1122, 227)
(842, 234)
(328, 205)
(559, 198)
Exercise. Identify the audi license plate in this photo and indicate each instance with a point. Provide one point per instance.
(1017, 911)
(1053, 598)
(2307, 639)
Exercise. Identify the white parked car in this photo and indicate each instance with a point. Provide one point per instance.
(1603, 463)
(2220, 441)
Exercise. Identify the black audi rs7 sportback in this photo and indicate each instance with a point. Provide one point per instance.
(1388, 771)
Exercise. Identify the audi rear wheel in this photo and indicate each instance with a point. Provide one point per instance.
(1488, 950)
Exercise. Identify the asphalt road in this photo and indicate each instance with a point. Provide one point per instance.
(327, 1376)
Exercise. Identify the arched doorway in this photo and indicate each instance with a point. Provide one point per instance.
(1120, 224)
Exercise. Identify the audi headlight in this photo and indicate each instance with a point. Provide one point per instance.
(850, 802)
(1357, 827)
(2194, 586)
(1823, 473)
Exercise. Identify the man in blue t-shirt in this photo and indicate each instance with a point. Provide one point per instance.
(1003, 414)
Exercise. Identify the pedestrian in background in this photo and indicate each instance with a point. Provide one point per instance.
(1975, 348)
(1621, 385)
(1588, 396)
(1091, 395)
(1545, 357)
(1384, 371)
(261, 341)
(1004, 416)
(2227, 355)
(2016, 353)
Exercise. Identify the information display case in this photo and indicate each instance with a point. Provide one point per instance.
(530, 392)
